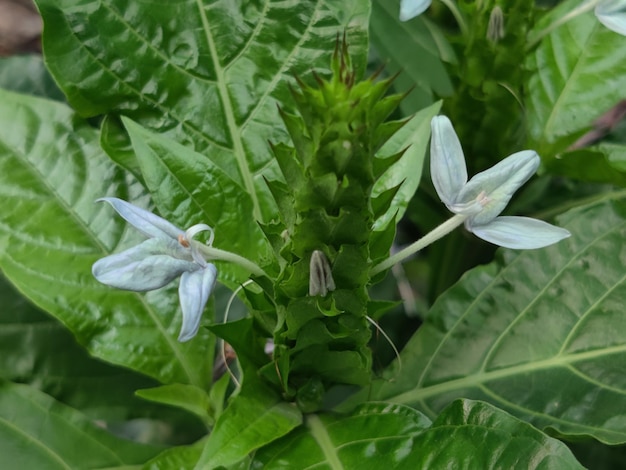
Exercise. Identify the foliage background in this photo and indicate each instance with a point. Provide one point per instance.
(171, 104)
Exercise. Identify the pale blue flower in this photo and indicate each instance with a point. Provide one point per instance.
(409, 9)
(485, 196)
(166, 254)
(612, 14)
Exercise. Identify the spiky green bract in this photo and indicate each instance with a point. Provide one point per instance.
(321, 336)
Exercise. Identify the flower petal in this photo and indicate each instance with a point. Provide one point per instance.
(499, 183)
(612, 14)
(146, 222)
(519, 232)
(147, 266)
(411, 8)
(447, 162)
(194, 291)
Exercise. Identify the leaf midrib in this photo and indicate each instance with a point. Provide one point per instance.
(477, 379)
(229, 113)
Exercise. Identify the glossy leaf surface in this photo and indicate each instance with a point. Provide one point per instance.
(207, 74)
(466, 434)
(38, 432)
(538, 334)
(51, 232)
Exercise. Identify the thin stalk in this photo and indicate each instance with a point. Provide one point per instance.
(430, 237)
(217, 254)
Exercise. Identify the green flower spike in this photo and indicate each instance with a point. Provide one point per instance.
(166, 254)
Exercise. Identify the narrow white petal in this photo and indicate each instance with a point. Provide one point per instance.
(194, 291)
(411, 8)
(519, 232)
(499, 183)
(612, 14)
(145, 267)
(447, 162)
(146, 222)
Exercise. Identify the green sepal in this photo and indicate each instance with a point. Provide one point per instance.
(288, 162)
(381, 165)
(380, 244)
(381, 204)
(385, 131)
(284, 200)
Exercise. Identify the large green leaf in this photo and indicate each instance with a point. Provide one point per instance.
(379, 435)
(579, 72)
(539, 333)
(257, 415)
(38, 350)
(38, 432)
(207, 73)
(416, 49)
(51, 232)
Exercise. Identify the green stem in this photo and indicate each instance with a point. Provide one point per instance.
(430, 237)
(320, 434)
(457, 15)
(585, 7)
(217, 254)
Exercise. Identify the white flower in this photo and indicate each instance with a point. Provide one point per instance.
(409, 9)
(166, 254)
(612, 14)
(485, 196)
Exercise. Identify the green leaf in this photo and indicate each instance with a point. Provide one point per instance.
(188, 397)
(52, 231)
(579, 73)
(395, 436)
(36, 349)
(407, 171)
(28, 74)
(254, 417)
(377, 433)
(179, 178)
(596, 164)
(38, 432)
(176, 457)
(416, 49)
(539, 334)
(207, 74)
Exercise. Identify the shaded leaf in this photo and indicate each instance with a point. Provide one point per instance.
(570, 85)
(416, 49)
(188, 397)
(38, 432)
(28, 74)
(538, 333)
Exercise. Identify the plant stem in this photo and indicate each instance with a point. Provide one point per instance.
(430, 237)
(457, 15)
(217, 254)
(583, 8)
